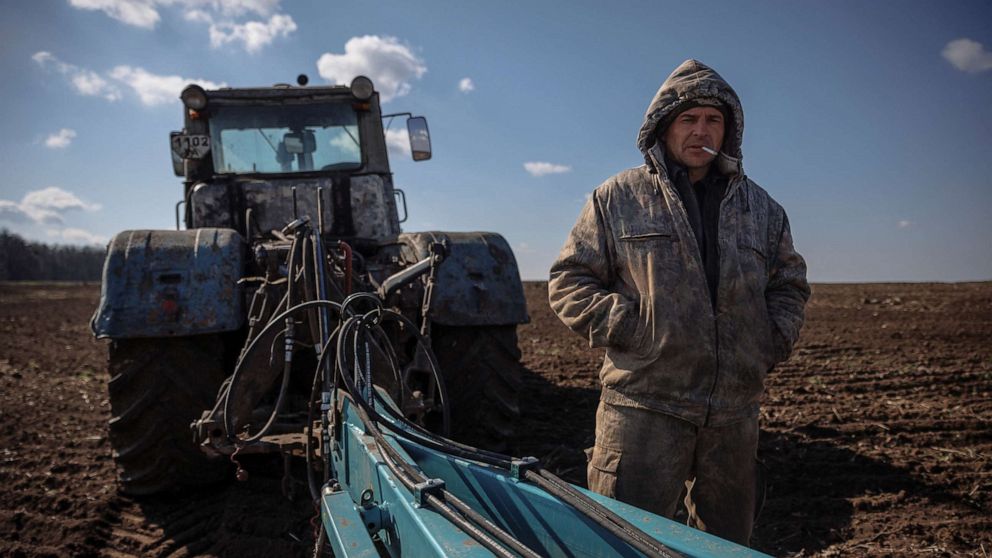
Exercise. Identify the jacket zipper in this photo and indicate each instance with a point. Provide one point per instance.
(716, 326)
(697, 257)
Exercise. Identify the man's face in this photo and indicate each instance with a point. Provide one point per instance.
(692, 130)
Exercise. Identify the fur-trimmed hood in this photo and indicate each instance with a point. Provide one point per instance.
(693, 80)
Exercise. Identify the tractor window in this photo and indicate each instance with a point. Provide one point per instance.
(284, 138)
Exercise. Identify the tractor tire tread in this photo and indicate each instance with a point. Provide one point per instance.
(483, 377)
(157, 388)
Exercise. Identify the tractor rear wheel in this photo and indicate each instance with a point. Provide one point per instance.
(483, 377)
(157, 388)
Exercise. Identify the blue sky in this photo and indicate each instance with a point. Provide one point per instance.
(871, 122)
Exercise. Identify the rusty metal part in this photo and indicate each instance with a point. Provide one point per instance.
(171, 283)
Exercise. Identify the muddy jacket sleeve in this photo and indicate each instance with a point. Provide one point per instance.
(786, 293)
(579, 288)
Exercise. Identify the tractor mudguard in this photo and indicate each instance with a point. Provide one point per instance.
(171, 283)
(478, 283)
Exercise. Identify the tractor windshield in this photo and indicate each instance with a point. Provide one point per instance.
(284, 138)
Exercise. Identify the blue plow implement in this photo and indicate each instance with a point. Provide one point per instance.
(366, 511)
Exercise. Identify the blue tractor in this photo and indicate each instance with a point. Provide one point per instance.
(260, 164)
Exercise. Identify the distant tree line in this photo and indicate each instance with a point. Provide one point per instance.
(24, 260)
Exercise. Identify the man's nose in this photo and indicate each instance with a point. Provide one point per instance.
(700, 129)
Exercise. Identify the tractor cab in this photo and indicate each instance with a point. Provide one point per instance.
(254, 159)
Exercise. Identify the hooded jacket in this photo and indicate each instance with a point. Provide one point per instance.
(630, 278)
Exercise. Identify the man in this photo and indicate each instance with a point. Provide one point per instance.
(684, 269)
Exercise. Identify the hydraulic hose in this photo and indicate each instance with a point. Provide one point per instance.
(438, 444)
(245, 356)
(289, 340)
(612, 522)
(283, 386)
(294, 250)
(384, 315)
(425, 437)
(481, 520)
(320, 271)
(470, 529)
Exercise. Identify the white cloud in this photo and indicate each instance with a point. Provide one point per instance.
(968, 55)
(398, 142)
(43, 57)
(152, 89)
(155, 89)
(198, 16)
(47, 205)
(145, 13)
(90, 83)
(140, 13)
(524, 248)
(254, 34)
(78, 236)
(390, 64)
(541, 168)
(466, 85)
(60, 139)
(85, 82)
(221, 15)
(905, 224)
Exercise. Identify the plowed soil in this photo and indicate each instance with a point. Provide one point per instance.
(876, 433)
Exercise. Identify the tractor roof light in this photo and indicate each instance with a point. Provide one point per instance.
(194, 97)
(361, 88)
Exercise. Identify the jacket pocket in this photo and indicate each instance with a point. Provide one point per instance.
(649, 258)
(639, 230)
(753, 257)
(654, 248)
(646, 235)
(603, 470)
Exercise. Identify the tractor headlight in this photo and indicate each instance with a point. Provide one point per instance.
(361, 88)
(194, 97)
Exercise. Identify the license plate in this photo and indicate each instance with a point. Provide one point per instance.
(190, 146)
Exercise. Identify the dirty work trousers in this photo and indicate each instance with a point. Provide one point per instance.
(646, 458)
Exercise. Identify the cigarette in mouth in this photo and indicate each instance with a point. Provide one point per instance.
(710, 151)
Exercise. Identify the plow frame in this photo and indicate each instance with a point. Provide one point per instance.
(367, 512)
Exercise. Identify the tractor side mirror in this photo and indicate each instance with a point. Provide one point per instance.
(420, 138)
